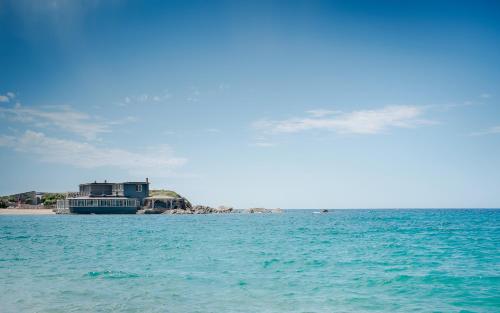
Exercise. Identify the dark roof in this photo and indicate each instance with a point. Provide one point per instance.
(127, 182)
(110, 197)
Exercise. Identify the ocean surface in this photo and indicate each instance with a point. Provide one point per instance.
(343, 261)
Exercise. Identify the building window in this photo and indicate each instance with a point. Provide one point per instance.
(138, 188)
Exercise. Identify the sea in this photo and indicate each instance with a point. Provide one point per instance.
(298, 261)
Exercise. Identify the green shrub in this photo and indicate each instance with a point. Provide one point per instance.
(51, 198)
(163, 192)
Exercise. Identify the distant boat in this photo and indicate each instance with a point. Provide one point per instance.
(322, 211)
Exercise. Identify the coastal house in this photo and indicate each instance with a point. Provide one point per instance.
(106, 198)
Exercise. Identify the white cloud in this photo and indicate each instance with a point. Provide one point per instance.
(128, 119)
(7, 97)
(157, 160)
(262, 144)
(485, 95)
(194, 95)
(145, 98)
(63, 118)
(6, 140)
(489, 131)
(321, 112)
(356, 122)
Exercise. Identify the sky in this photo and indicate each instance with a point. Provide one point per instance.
(290, 104)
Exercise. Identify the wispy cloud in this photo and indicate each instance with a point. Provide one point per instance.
(356, 122)
(262, 144)
(62, 117)
(479, 100)
(490, 131)
(194, 95)
(224, 86)
(7, 97)
(321, 112)
(158, 160)
(145, 98)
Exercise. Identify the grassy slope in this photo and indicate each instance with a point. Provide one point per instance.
(163, 192)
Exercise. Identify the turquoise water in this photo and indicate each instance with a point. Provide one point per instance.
(344, 261)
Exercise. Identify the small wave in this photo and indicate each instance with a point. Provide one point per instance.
(317, 263)
(268, 263)
(20, 237)
(111, 275)
(242, 283)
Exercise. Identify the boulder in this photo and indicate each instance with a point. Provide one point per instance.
(263, 210)
(200, 209)
(178, 211)
(224, 209)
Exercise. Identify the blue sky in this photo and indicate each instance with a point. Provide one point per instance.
(300, 104)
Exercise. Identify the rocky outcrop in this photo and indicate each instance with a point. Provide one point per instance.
(201, 209)
(224, 209)
(263, 210)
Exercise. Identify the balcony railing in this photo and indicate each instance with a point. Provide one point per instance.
(63, 204)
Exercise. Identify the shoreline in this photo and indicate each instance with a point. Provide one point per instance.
(27, 212)
(24, 211)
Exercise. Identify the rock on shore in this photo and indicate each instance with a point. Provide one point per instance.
(263, 210)
(197, 209)
(201, 209)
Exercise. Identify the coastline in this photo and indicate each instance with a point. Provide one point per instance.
(26, 212)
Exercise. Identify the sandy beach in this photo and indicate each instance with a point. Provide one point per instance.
(26, 212)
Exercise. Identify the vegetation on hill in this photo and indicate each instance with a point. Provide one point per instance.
(169, 193)
(24, 198)
(49, 199)
(163, 192)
